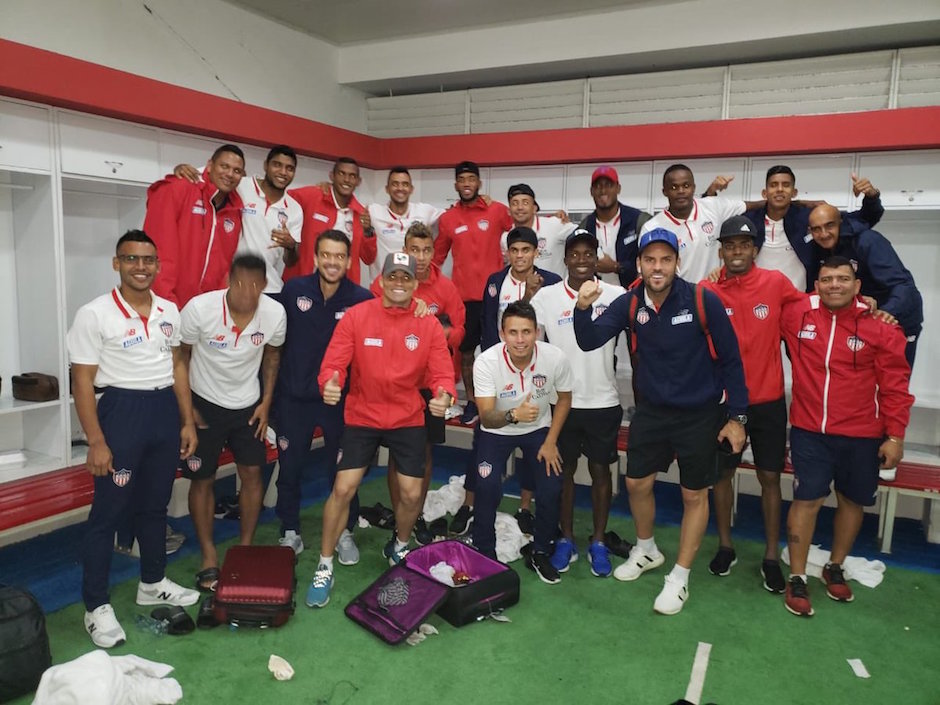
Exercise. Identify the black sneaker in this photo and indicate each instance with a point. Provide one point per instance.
(438, 528)
(616, 545)
(773, 577)
(541, 563)
(462, 520)
(422, 533)
(526, 522)
(722, 562)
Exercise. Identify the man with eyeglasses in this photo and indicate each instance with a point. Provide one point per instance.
(196, 226)
(127, 341)
(227, 336)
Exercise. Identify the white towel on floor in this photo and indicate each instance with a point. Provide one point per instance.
(99, 679)
(868, 573)
(509, 538)
(444, 500)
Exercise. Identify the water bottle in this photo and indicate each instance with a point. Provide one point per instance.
(149, 624)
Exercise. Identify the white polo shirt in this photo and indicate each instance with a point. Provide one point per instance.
(777, 253)
(606, 233)
(547, 373)
(259, 218)
(390, 228)
(226, 360)
(698, 234)
(131, 352)
(510, 291)
(552, 234)
(595, 384)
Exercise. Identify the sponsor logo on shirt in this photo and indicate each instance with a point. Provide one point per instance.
(643, 316)
(218, 344)
(372, 342)
(460, 229)
(539, 381)
(483, 225)
(411, 342)
(194, 462)
(508, 394)
(484, 469)
(304, 303)
(761, 311)
(388, 231)
(807, 238)
(130, 332)
(199, 208)
(121, 477)
(629, 238)
(855, 343)
(166, 328)
(508, 386)
(131, 342)
(249, 210)
(257, 338)
(339, 314)
(228, 225)
(491, 290)
(681, 318)
(566, 317)
(322, 218)
(808, 332)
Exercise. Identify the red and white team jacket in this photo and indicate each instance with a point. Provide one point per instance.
(389, 355)
(320, 213)
(473, 230)
(754, 302)
(195, 242)
(850, 376)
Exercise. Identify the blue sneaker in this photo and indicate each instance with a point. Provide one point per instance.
(470, 414)
(394, 557)
(599, 556)
(318, 594)
(565, 554)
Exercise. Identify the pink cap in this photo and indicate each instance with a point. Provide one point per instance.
(605, 172)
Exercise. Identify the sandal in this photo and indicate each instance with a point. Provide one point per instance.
(207, 579)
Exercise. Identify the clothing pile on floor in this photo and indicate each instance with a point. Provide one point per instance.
(868, 573)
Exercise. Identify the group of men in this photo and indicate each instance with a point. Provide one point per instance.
(239, 305)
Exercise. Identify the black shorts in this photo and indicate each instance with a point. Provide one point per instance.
(767, 431)
(358, 445)
(658, 433)
(472, 326)
(592, 432)
(433, 424)
(225, 427)
(820, 460)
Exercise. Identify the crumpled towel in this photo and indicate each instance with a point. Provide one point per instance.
(443, 572)
(868, 573)
(280, 668)
(444, 500)
(509, 538)
(99, 679)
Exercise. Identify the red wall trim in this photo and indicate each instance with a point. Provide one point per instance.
(46, 77)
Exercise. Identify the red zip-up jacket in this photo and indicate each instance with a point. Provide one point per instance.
(754, 302)
(850, 376)
(441, 296)
(195, 242)
(473, 231)
(389, 355)
(320, 212)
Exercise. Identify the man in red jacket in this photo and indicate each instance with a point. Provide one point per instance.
(388, 355)
(754, 299)
(850, 408)
(196, 226)
(472, 227)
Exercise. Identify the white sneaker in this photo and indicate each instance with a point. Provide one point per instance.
(166, 592)
(672, 597)
(347, 552)
(292, 539)
(637, 563)
(103, 628)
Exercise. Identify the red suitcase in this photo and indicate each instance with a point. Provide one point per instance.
(256, 586)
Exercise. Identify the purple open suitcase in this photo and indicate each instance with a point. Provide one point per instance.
(402, 598)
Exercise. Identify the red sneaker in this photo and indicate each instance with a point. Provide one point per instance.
(797, 598)
(836, 587)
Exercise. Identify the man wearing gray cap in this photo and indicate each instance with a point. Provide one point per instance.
(388, 355)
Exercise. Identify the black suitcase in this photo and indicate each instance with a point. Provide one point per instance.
(24, 644)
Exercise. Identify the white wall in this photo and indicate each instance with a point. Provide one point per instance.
(205, 45)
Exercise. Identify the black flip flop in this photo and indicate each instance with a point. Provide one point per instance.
(207, 579)
(178, 621)
(206, 618)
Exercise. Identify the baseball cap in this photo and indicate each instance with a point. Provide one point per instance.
(737, 225)
(605, 172)
(658, 235)
(464, 167)
(398, 262)
(522, 234)
(522, 190)
(581, 235)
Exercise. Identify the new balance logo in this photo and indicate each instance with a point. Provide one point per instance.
(165, 596)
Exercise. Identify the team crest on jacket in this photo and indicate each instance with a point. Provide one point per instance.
(483, 225)
(194, 462)
(491, 290)
(484, 469)
(855, 343)
(257, 338)
(283, 442)
(411, 342)
(229, 225)
(304, 303)
(642, 316)
(121, 477)
(433, 309)
(708, 227)
(166, 328)
(599, 309)
(761, 311)
(539, 381)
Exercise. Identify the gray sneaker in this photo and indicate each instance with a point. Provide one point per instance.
(347, 552)
(292, 539)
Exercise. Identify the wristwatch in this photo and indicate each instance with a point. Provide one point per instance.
(511, 417)
(740, 418)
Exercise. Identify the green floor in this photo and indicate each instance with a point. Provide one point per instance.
(585, 640)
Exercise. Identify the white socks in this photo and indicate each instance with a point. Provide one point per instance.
(648, 546)
(327, 561)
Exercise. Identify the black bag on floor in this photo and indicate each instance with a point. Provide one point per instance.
(24, 644)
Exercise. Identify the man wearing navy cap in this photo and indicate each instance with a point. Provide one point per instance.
(687, 360)
(550, 230)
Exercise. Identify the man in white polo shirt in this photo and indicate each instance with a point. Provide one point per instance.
(515, 383)
(695, 222)
(550, 230)
(227, 336)
(127, 341)
(594, 421)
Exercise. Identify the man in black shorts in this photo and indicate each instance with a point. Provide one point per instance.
(687, 360)
(227, 336)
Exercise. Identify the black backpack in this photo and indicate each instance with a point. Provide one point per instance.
(24, 644)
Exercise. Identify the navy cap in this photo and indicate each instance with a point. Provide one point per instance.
(581, 235)
(658, 235)
(737, 225)
(465, 167)
(522, 234)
